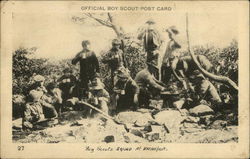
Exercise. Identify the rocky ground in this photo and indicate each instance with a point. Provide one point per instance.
(198, 125)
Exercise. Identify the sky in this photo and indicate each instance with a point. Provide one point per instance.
(56, 36)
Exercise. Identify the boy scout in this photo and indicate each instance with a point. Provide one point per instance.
(33, 110)
(204, 89)
(89, 64)
(67, 81)
(98, 96)
(38, 85)
(148, 85)
(115, 59)
(127, 91)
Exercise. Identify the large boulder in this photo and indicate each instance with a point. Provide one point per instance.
(201, 110)
(218, 124)
(72, 116)
(131, 117)
(17, 124)
(211, 136)
(171, 119)
(206, 119)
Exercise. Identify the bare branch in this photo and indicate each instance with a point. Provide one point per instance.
(108, 24)
(110, 17)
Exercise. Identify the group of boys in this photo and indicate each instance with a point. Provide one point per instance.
(127, 93)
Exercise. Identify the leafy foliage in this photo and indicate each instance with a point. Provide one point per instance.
(24, 67)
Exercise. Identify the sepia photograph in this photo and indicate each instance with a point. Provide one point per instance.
(123, 74)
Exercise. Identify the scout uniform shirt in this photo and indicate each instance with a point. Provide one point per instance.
(66, 82)
(89, 64)
(115, 59)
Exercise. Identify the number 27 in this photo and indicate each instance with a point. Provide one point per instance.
(20, 148)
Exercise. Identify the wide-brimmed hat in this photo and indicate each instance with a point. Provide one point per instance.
(173, 30)
(123, 72)
(150, 21)
(96, 85)
(35, 95)
(85, 42)
(39, 78)
(116, 42)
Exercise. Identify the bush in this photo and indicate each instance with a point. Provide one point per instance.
(24, 68)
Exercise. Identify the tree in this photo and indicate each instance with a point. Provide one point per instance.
(108, 21)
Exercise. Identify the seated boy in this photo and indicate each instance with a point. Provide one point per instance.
(67, 81)
(54, 96)
(204, 90)
(126, 91)
(33, 110)
(98, 96)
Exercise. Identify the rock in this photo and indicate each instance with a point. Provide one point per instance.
(192, 130)
(136, 132)
(131, 138)
(157, 104)
(147, 128)
(171, 119)
(70, 139)
(179, 103)
(152, 136)
(201, 110)
(158, 129)
(76, 124)
(206, 120)
(131, 117)
(143, 110)
(141, 123)
(128, 126)
(191, 125)
(211, 136)
(48, 123)
(17, 124)
(184, 112)
(109, 139)
(153, 122)
(192, 119)
(70, 116)
(218, 124)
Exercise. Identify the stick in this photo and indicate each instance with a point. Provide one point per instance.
(100, 111)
